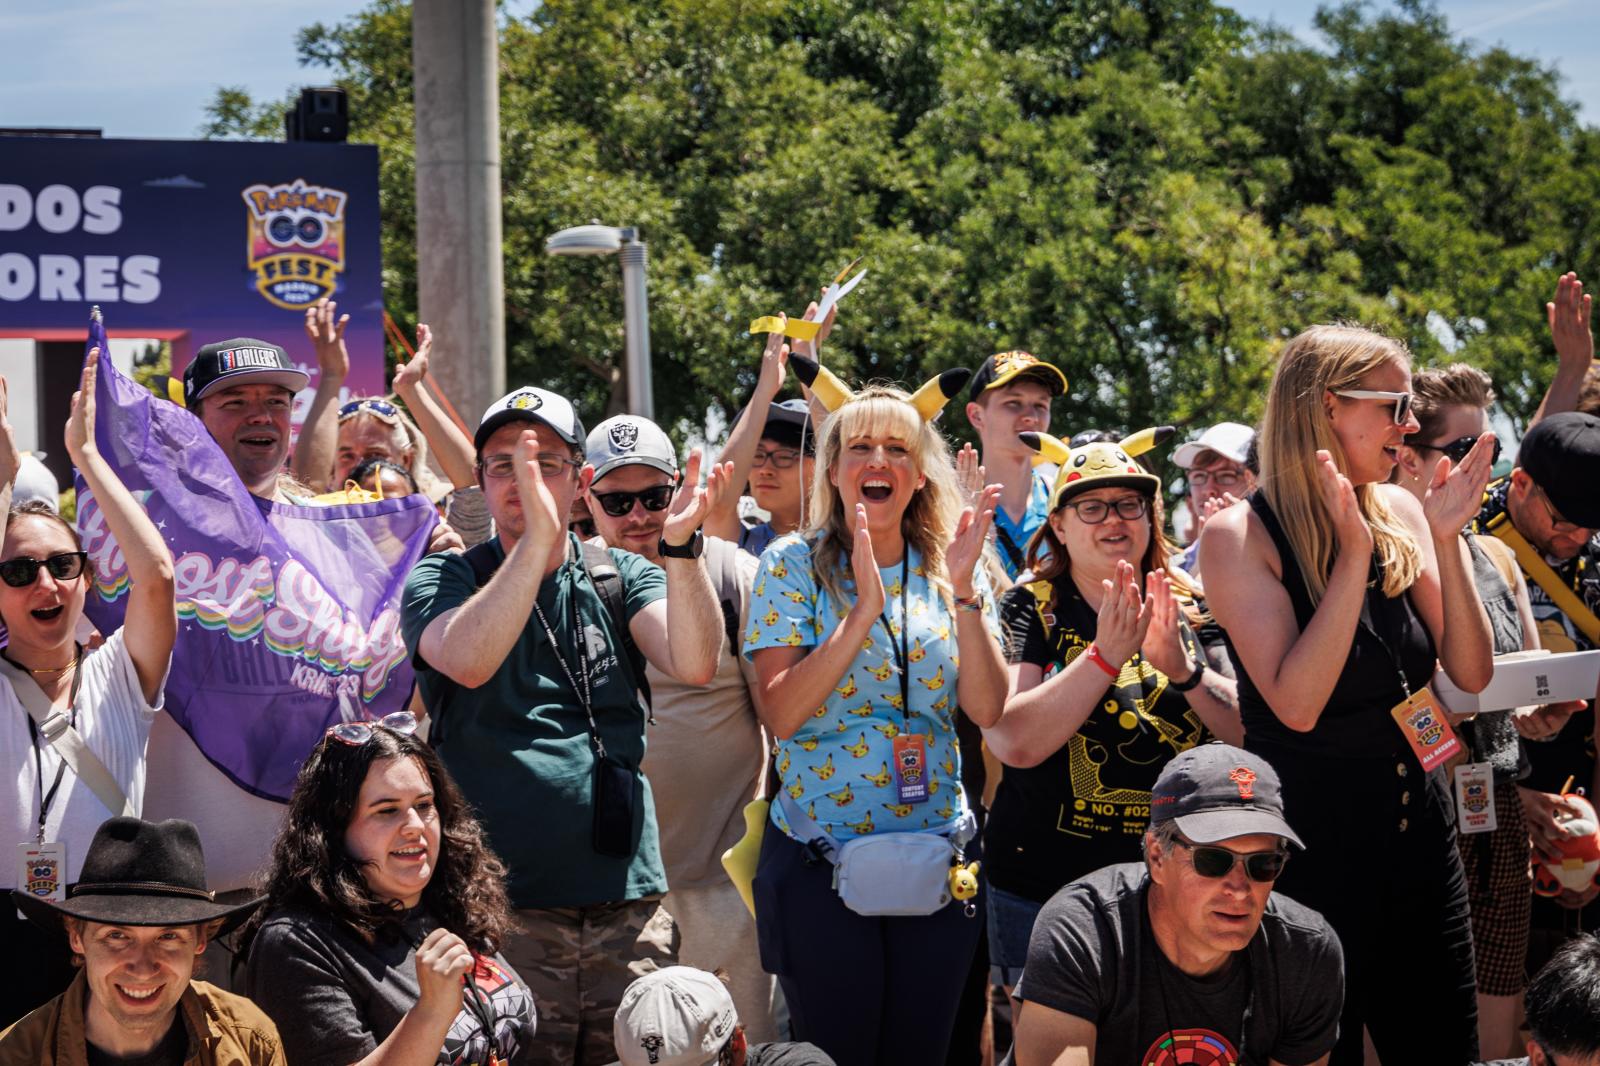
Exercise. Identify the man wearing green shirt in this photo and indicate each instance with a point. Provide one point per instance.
(530, 682)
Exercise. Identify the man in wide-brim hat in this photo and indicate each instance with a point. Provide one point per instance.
(137, 919)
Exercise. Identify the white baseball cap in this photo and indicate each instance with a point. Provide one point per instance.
(529, 404)
(1230, 440)
(676, 1016)
(628, 440)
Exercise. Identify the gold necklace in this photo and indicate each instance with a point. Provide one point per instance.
(51, 671)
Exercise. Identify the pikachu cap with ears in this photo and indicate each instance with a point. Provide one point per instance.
(1101, 465)
(929, 400)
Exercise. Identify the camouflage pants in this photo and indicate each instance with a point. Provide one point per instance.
(578, 961)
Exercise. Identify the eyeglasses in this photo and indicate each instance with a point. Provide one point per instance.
(1214, 862)
(1457, 449)
(22, 571)
(1401, 401)
(1223, 479)
(357, 733)
(382, 410)
(1557, 523)
(503, 466)
(617, 504)
(1093, 512)
(780, 458)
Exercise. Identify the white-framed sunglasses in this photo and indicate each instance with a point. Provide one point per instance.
(1401, 400)
(358, 733)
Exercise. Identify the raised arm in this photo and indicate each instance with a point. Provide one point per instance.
(791, 683)
(1294, 670)
(319, 433)
(1445, 595)
(1568, 316)
(740, 451)
(1040, 715)
(981, 681)
(150, 624)
(681, 634)
(10, 459)
(451, 447)
(468, 643)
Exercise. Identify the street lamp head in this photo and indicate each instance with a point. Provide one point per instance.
(585, 240)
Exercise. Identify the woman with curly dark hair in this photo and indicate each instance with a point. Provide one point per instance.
(377, 944)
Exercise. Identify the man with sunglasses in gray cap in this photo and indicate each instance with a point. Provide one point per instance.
(705, 756)
(1188, 957)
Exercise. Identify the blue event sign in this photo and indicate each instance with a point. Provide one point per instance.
(192, 242)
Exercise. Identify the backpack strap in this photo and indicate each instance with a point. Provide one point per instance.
(607, 581)
(484, 559)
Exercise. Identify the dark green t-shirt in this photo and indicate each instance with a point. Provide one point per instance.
(518, 745)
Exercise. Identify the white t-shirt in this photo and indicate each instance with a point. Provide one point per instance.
(114, 721)
(236, 828)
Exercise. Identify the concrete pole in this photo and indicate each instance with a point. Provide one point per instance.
(460, 269)
(636, 328)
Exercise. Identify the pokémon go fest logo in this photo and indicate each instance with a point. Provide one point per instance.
(296, 241)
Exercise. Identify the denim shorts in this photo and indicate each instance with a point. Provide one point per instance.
(1011, 921)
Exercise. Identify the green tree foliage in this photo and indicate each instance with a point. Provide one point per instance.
(1151, 194)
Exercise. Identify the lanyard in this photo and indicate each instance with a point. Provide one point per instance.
(47, 799)
(479, 1005)
(1368, 622)
(901, 651)
(582, 692)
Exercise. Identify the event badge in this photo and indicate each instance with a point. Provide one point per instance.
(1475, 798)
(42, 870)
(911, 768)
(1426, 729)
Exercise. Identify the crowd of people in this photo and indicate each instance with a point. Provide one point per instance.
(846, 746)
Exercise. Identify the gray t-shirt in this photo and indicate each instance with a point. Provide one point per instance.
(335, 997)
(1093, 955)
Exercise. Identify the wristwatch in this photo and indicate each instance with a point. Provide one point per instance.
(691, 550)
(1191, 681)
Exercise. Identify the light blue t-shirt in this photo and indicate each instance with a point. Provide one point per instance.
(837, 765)
(1011, 538)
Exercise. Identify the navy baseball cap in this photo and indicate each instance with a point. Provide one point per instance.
(239, 362)
(789, 423)
(1217, 791)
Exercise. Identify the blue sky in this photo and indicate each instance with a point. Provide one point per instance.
(147, 68)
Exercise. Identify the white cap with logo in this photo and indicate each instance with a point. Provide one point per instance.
(627, 440)
(1231, 440)
(676, 1016)
(529, 404)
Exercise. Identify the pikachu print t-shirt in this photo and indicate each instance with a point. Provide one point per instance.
(837, 765)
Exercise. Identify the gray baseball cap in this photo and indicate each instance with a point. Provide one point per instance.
(628, 440)
(1216, 792)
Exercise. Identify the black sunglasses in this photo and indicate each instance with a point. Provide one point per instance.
(617, 504)
(22, 571)
(1457, 449)
(1214, 862)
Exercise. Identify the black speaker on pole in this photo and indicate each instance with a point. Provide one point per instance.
(319, 115)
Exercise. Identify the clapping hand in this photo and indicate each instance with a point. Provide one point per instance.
(1211, 507)
(774, 362)
(864, 568)
(972, 533)
(1568, 316)
(1339, 496)
(327, 339)
(545, 522)
(693, 501)
(1455, 494)
(80, 424)
(1123, 618)
(408, 376)
(969, 475)
(10, 460)
(1163, 642)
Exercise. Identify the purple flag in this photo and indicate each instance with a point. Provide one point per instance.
(288, 616)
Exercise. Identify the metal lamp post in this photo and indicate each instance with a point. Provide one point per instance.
(611, 240)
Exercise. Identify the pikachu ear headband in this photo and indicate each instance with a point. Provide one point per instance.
(1100, 465)
(929, 400)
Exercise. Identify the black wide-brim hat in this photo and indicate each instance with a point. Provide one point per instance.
(139, 873)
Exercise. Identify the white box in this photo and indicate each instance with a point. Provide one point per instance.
(1524, 678)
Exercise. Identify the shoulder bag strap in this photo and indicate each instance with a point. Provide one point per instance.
(1536, 568)
(607, 581)
(57, 731)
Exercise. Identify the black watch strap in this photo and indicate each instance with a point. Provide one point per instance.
(1189, 682)
(691, 550)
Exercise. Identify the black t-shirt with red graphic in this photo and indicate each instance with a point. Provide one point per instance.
(1093, 955)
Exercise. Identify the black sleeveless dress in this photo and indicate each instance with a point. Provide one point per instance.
(1380, 860)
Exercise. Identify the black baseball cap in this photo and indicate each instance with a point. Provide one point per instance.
(239, 362)
(789, 424)
(1003, 368)
(1217, 791)
(1562, 456)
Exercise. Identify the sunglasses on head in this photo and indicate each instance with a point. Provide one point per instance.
(382, 410)
(1457, 449)
(1214, 862)
(358, 733)
(22, 571)
(1401, 400)
(617, 504)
